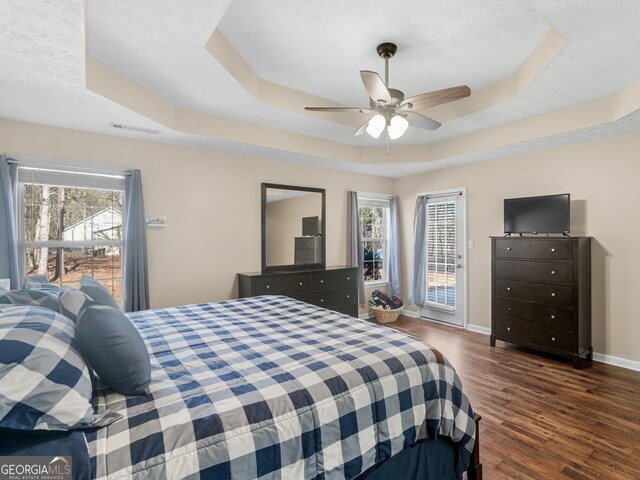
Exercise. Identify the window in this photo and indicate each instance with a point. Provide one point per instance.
(441, 253)
(374, 219)
(71, 224)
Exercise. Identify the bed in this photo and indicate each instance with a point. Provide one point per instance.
(270, 387)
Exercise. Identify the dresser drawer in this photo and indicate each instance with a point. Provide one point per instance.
(305, 242)
(540, 249)
(534, 292)
(282, 285)
(333, 298)
(557, 272)
(306, 256)
(332, 279)
(351, 310)
(552, 315)
(532, 334)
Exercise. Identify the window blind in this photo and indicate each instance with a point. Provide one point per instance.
(68, 178)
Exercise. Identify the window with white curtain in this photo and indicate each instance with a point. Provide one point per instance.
(69, 224)
(374, 230)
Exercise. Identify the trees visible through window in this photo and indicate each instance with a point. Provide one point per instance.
(70, 231)
(373, 233)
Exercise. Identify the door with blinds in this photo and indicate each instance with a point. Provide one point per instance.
(445, 298)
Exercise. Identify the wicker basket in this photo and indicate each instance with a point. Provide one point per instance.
(386, 316)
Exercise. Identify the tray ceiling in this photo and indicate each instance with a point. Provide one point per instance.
(317, 48)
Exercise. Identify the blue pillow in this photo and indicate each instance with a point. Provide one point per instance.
(114, 348)
(40, 282)
(38, 298)
(72, 300)
(44, 381)
(97, 292)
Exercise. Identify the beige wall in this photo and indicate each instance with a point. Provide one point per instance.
(602, 177)
(212, 202)
(284, 223)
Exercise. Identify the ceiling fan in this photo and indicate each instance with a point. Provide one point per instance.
(391, 110)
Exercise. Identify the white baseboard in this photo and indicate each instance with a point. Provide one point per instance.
(616, 361)
(366, 316)
(478, 329)
(410, 313)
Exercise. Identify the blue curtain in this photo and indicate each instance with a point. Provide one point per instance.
(136, 276)
(394, 278)
(8, 240)
(417, 285)
(355, 255)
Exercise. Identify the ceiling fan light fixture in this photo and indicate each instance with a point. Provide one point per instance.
(376, 126)
(397, 126)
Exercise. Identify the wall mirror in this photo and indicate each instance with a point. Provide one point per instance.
(293, 228)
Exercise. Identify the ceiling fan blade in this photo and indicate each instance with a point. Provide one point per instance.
(376, 89)
(361, 129)
(431, 99)
(420, 121)
(339, 109)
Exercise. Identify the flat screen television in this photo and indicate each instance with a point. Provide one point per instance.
(544, 214)
(310, 226)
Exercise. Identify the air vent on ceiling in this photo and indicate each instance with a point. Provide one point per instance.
(136, 129)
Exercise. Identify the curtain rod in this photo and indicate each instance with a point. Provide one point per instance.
(376, 195)
(124, 173)
(436, 195)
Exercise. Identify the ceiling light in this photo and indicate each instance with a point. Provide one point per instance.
(397, 126)
(376, 126)
(135, 129)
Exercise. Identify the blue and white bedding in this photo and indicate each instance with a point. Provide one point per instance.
(270, 387)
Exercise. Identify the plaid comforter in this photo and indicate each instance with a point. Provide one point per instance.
(270, 387)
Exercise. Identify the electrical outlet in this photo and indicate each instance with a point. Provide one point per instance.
(470, 244)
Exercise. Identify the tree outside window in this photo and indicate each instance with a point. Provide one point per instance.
(69, 231)
(373, 228)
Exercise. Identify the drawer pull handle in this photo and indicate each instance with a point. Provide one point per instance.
(322, 300)
(508, 289)
(553, 294)
(553, 339)
(553, 249)
(553, 272)
(321, 281)
(268, 286)
(300, 283)
(509, 308)
(348, 278)
(553, 317)
(508, 248)
(348, 296)
(508, 329)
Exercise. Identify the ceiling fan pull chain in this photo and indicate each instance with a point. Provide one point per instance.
(387, 130)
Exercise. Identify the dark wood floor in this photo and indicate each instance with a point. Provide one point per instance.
(541, 419)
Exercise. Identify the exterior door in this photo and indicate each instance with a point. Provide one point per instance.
(445, 272)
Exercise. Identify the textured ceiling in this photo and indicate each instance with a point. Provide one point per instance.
(318, 48)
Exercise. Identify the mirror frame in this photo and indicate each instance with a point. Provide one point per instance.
(285, 268)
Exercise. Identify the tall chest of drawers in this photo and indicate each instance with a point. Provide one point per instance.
(541, 294)
(334, 288)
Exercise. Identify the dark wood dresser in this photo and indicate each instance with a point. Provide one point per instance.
(335, 288)
(308, 250)
(541, 294)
